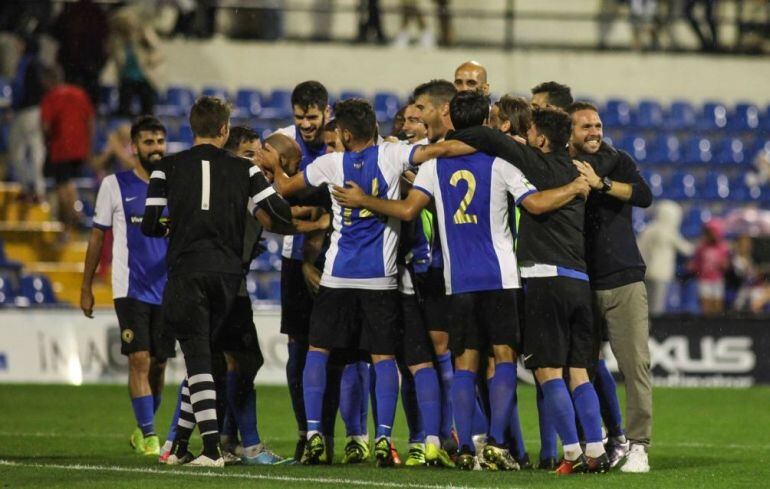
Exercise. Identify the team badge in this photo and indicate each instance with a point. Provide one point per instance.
(127, 335)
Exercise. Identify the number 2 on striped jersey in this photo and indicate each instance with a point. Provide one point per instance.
(461, 216)
(205, 184)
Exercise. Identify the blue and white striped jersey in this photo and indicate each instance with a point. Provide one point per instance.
(472, 211)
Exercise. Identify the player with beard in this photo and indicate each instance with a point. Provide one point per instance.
(138, 279)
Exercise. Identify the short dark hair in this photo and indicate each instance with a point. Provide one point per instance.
(517, 111)
(208, 115)
(330, 126)
(357, 116)
(238, 135)
(148, 123)
(581, 105)
(558, 94)
(308, 94)
(440, 92)
(554, 124)
(468, 109)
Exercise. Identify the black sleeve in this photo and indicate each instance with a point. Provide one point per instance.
(603, 161)
(626, 171)
(492, 142)
(155, 203)
(312, 197)
(263, 195)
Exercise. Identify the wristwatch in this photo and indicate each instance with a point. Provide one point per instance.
(606, 185)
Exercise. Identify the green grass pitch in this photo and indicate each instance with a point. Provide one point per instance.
(62, 436)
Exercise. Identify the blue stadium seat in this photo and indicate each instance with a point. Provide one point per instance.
(649, 115)
(636, 146)
(386, 105)
(742, 193)
(764, 119)
(759, 145)
(698, 151)
(681, 115)
(108, 99)
(6, 93)
(693, 220)
(617, 113)
(7, 294)
(639, 219)
(274, 289)
(681, 186)
(348, 94)
(277, 106)
(655, 181)
(716, 187)
(248, 103)
(745, 117)
(666, 148)
(36, 290)
(713, 117)
(177, 102)
(730, 152)
(184, 134)
(219, 92)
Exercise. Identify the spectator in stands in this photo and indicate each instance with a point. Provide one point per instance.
(411, 13)
(135, 50)
(609, 10)
(709, 41)
(446, 35)
(710, 264)
(369, 22)
(82, 31)
(644, 35)
(659, 244)
(68, 125)
(759, 175)
(743, 266)
(25, 140)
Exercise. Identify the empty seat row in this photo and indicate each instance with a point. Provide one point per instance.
(683, 186)
(668, 148)
(31, 291)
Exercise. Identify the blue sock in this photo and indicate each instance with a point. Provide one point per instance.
(587, 407)
(446, 374)
(143, 413)
(314, 385)
(175, 418)
(156, 403)
(429, 399)
(372, 393)
(607, 390)
(463, 404)
(350, 400)
(387, 396)
(411, 408)
(242, 400)
(548, 437)
(294, 371)
(364, 378)
(502, 388)
(559, 405)
(480, 420)
(517, 437)
(229, 424)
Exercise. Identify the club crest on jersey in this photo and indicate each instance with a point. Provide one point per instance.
(127, 335)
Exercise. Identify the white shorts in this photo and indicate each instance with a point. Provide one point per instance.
(713, 289)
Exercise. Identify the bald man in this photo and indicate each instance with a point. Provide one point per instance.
(288, 149)
(471, 75)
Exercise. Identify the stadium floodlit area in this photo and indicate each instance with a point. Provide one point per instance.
(63, 436)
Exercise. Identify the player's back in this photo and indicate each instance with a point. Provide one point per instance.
(471, 195)
(208, 192)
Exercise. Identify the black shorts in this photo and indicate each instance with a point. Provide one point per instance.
(142, 329)
(413, 344)
(296, 301)
(478, 319)
(342, 316)
(559, 328)
(65, 171)
(430, 286)
(238, 333)
(197, 304)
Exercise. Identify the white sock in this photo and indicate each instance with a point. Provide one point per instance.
(310, 434)
(361, 439)
(433, 440)
(253, 450)
(416, 444)
(572, 452)
(594, 449)
(167, 446)
(619, 440)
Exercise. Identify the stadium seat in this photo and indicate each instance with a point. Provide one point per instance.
(745, 117)
(636, 146)
(184, 134)
(347, 94)
(386, 105)
(649, 115)
(108, 99)
(219, 92)
(665, 149)
(616, 113)
(7, 295)
(35, 290)
(730, 152)
(248, 103)
(6, 93)
(713, 117)
(177, 102)
(277, 106)
(655, 181)
(698, 150)
(639, 219)
(693, 220)
(716, 187)
(681, 186)
(740, 192)
(681, 115)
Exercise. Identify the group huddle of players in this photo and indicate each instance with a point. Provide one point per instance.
(404, 262)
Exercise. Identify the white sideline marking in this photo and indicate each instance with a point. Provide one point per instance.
(194, 472)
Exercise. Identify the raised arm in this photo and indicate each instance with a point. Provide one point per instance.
(264, 197)
(353, 196)
(152, 223)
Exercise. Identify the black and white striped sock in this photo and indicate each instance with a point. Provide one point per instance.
(186, 423)
(203, 397)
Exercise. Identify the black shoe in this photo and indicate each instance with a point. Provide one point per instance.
(466, 460)
(548, 464)
(299, 449)
(524, 462)
(598, 465)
